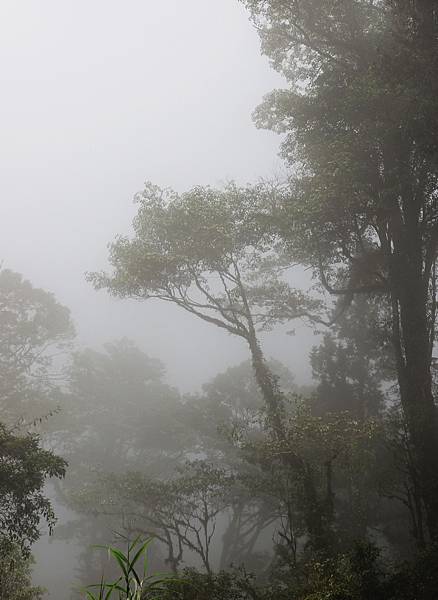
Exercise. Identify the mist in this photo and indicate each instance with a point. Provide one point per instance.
(99, 98)
(255, 334)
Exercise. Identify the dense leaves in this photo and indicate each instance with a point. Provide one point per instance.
(24, 467)
(360, 125)
(15, 575)
(32, 324)
(33, 327)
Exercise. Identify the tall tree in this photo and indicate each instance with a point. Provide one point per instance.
(16, 575)
(232, 403)
(113, 412)
(24, 469)
(117, 415)
(203, 251)
(32, 325)
(360, 120)
(353, 362)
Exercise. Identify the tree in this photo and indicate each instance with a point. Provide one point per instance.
(206, 251)
(212, 254)
(315, 512)
(353, 363)
(231, 402)
(114, 410)
(32, 323)
(33, 327)
(117, 415)
(180, 511)
(24, 467)
(203, 251)
(231, 399)
(360, 120)
(355, 374)
(15, 575)
(333, 497)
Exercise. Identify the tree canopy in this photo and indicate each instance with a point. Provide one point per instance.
(32, 325)
(360, 121)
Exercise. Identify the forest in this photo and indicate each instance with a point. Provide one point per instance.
(257, 485)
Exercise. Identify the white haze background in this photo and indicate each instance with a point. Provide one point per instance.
(98, 96)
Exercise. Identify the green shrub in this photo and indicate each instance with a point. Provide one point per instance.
(193, 585)
(134, 582)
(15, 574)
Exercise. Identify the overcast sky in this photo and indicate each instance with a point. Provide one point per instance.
(99, 96)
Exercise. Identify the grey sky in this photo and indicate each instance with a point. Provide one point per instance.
(98, 96)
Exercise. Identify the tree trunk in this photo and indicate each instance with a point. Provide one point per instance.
(420, 411)
(412, 339)
(268, 384)
(318, 527)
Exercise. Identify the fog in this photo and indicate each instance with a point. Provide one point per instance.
(99, 97)
(260, 462)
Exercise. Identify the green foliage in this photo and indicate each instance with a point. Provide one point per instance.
(181, 512)
(134, 582)
(360, 124)
(114, 410)
(232, 585)
(33, 326)
(208, 251)
(24, 468)
(230, 402)
(15, 574)
(360, 127)
(117, 416)
(355, 575)
(352, 363)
